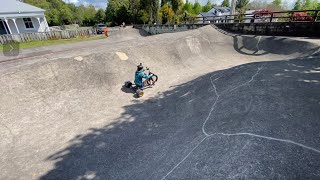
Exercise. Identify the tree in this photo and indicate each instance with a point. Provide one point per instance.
(163, 2)
(134, 9)
(100, 16)
(197, 8)
(123, 15)
(79, 14)
(225, 3)
(154, 11)
(273, 7)
(167, 14)
(65, 15)
(89, 15)
(242, 5)
(53, 10)
(315, 4)
(60, 13)
(258, 4)
(152, 8)
(72, 7)
(188, 8)
(297, 5)
(143, 16)
(309, 4)
(277, 3)
(115, 9)
(53, 17)
(207, 7)
(176, 4)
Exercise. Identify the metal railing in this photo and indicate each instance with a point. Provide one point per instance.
(260, 17)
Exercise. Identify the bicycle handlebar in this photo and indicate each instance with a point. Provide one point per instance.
(146, 67)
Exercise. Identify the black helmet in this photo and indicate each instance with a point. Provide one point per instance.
(139, 67)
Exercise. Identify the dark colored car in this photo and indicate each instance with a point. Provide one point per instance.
(100, 28)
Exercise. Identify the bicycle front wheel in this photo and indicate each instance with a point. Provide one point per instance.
(152, 80)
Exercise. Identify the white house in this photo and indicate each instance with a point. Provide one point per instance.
(17, 17)
(216, 14)
(220, 15)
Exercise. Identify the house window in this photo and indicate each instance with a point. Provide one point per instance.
(28, 23)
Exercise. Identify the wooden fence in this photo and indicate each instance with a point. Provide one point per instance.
(51, 35)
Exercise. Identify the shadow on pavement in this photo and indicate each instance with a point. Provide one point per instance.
(255, 45)
(127, 90)
(281, 100)
(261, 45)
(143, 33)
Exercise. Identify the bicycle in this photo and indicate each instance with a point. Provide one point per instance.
(147, 83)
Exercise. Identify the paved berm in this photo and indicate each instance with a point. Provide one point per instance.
(225, 107)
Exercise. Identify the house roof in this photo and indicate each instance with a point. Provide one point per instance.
(207, 14)
(21, 15)
(223, 9)
(14, 6)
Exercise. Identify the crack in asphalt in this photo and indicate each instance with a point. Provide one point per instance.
(234, 134)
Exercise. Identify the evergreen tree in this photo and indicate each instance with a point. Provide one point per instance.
(277, 3)
(197, 8)
(207, 7)
(100, 16)
(187, 7)
(225, 3)
(297, 5)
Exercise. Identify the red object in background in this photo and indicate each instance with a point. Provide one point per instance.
(262, 15)
(262, 11)
(105, 31)
(301, 16)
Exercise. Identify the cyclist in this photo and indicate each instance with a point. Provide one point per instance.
(139, 75)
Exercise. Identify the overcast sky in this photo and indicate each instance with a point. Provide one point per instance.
(103, 3)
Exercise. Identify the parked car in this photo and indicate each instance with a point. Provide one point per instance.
(100, 28)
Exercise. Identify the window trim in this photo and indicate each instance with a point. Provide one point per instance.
(25, 27)
(5, 26)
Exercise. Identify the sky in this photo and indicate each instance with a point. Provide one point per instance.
(96, 3)
(103, 3)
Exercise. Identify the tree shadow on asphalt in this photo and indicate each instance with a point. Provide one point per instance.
(258, 45)
(261, 45)
(151, 136)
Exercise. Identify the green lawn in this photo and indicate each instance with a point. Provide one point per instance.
(31, 44)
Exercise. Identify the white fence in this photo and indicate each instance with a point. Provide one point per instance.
(52, 35)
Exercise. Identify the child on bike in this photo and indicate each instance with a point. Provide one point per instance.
(139, 75)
